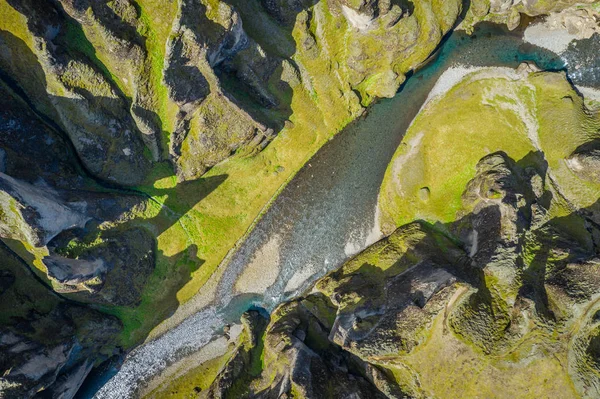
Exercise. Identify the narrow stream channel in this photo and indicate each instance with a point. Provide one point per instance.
(327, 212)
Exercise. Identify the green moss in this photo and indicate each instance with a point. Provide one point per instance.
(477, 117)
(155, 22)
(73, 34)
(75, 247)
(16, 23)
(192, 382)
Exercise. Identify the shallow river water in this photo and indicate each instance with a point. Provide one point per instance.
(327, 212)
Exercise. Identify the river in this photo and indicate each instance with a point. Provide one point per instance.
(327, 212)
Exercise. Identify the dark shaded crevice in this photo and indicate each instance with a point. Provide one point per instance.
(86, 49)
(43, 283)
(466, 6)
(55, 128)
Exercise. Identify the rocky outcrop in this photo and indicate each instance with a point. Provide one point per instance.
(406, 289)
(503, 201)
(235, 374)
(298, 360)
(73, 271)
(363, 14)
(114, 28)
(48, 345)
(585, 161)
(501, 276)
(398, 32)
(50, 209)
(210, 125)
(35, 215)
(81, 96)
(110, 267)
(565, 13)
(581, 22)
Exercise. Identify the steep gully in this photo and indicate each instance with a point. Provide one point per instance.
(327, 212)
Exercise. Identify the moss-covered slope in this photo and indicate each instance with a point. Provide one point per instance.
(518, 112)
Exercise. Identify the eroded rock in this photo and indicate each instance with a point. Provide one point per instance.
(85, 102)
(47, 345)
(585, 161)
(35, 214)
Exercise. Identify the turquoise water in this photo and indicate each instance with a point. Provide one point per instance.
(327, 211)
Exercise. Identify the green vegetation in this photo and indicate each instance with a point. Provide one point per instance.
(304, 75)
(76, 246)
(155, 23)
(79, 44)
(194, 381)
(483, 114)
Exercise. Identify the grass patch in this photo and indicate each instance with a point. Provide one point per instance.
(477, 117)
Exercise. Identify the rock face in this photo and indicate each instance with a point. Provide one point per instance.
(50, 210)
(201, 47)
(383, 307)
(109, 267)
(569, 13)
(585, 161)
(48, 345)
(35, 215)
(363, 14)
(80, 96)
(581, 22)
(298, 360)
(116, 28)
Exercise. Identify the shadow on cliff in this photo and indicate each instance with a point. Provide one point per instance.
(168, 207)
(270, 25)
(500, 262)
(72, 42)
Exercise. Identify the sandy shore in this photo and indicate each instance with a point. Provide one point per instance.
(263, 269)
(542, 35)
(210, 351)
(454, 75)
